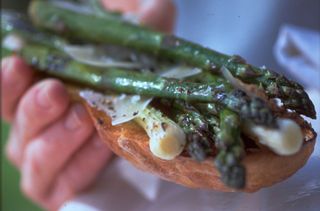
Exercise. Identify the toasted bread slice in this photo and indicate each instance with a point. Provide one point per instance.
(264, 168)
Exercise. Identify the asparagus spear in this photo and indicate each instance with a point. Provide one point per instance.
(100, 29)
(227, 141)
(200, 141)
(17, 24)
(230, 146)
(213, 108)
(58, 64)
(219, 91)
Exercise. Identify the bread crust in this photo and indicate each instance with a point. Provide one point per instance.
(264, 168)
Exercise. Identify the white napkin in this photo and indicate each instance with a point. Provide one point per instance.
(298, 51)
(122, 187)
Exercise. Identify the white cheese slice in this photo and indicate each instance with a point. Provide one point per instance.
(287, 139)
(121, 108)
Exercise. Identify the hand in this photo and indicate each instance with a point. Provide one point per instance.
(52, 140)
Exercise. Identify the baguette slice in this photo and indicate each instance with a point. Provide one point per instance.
(264, 168)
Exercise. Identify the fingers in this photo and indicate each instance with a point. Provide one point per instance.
(15, 77)
(47, 154)
(42, 105)
(88, 160)
(81, 171)
(157, 14)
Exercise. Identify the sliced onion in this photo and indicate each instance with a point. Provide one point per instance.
(89, 55)
(121, 108)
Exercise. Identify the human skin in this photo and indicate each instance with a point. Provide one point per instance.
(52, 140)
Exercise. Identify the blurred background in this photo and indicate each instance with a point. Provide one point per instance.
(245, 27)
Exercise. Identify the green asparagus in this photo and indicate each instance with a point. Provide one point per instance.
(227, 137)
(218, 91)
(203, 132)
(231, 150)
(90, 27)
(58, 64)
(17, 24)
(200, 142)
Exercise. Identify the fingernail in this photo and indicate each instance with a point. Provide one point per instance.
(43, 97)
(75, 118)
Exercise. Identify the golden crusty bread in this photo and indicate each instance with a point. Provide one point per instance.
(264, 168)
